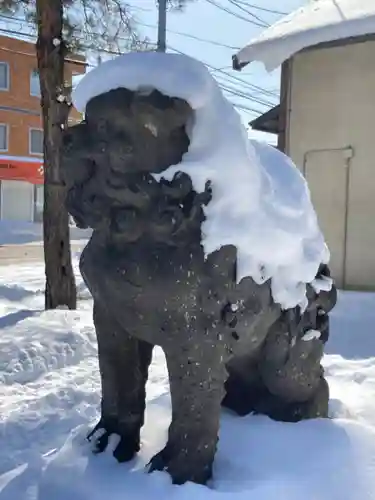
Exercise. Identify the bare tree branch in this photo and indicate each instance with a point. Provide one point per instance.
(90, 24)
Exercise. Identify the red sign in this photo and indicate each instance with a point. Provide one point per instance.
(21, 169)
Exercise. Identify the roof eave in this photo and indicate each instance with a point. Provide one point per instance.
(268, 122)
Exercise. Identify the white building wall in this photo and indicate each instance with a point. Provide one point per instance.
(330, 135)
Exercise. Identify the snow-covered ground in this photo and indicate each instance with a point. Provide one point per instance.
(31, 233)
(49, 397)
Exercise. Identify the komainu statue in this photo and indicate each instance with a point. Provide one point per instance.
(227, 342)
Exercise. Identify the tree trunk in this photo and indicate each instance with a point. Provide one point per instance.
(60, 282)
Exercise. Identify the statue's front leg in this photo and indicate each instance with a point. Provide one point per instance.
(197, 375)
(293, 376)
(123, 364)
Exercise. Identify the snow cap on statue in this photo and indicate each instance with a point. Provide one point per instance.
(260, 202)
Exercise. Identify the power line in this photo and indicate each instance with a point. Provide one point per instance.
(153, 26)
(231, 90)
(237, 104)
(235, 92)
(142, 9)
(247, 108)
(14, 18)
(219, 70)
(80, 39)
(251, 14)
(14, 32)
(194, 37)
(226, 77)
(251, 86)
(244, 95)
(245, 83)
(222, 68)
(263, 9)
(239, 16)
(30, 54)
(87, 47)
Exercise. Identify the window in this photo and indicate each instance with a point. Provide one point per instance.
(3, 137)
(34, 83)
(4, 76)
(36, 141)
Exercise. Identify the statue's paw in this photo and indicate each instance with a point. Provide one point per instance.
(159, 462)
(126, 448)
(99, 436)
(278, 408)
(181, 466)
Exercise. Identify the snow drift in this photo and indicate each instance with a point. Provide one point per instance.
(50, 397)
(260, 204)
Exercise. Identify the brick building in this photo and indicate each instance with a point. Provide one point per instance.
(21, 133)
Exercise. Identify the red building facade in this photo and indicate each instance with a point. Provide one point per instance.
(21, 132)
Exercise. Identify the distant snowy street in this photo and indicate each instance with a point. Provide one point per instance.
(49, 396)
(31, 233)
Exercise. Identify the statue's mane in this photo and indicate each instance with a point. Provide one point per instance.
(109, 161)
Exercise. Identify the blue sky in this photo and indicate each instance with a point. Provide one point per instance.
(202, 19)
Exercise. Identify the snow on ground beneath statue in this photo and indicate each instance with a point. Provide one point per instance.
(50, 395)
(260, 202)
(31, 233)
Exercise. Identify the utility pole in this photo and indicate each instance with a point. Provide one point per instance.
(162, 26)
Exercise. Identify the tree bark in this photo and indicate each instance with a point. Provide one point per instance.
(60, 282)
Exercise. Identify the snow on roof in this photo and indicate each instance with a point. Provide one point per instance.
(260, 201)
(317, 22)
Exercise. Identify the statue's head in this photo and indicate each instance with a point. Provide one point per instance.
(109, 159)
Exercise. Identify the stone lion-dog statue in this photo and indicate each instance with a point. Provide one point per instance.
(226, 343)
